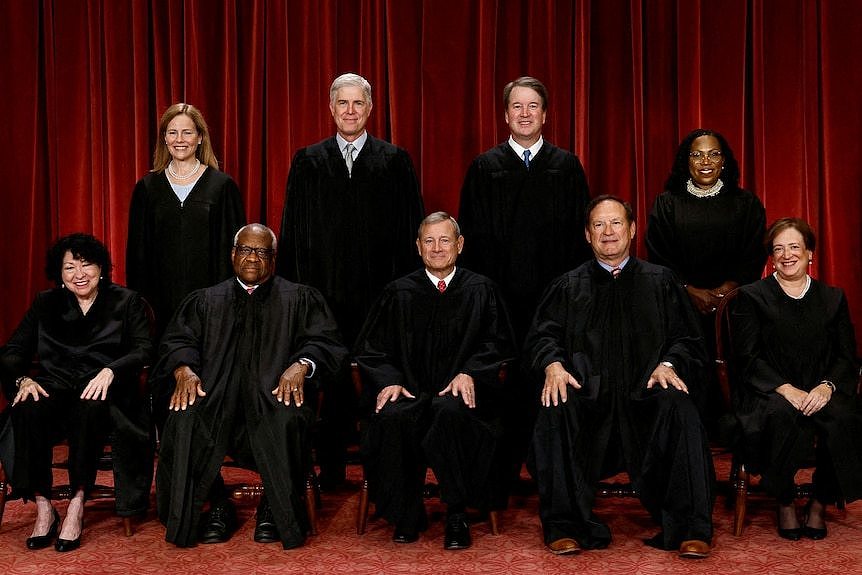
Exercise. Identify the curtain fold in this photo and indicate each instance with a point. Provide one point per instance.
(87, 81)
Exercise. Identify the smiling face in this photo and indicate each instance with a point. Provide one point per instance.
(439, 247)
(253, 268)
(790, 255)
(80, 276)
(609, 232)
(525, 115)
(350, 110)
(705, 161)
(182, 138)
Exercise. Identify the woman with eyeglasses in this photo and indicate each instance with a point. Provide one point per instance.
(795, 355)
(709, 231)
(183, 216)
(71, 369)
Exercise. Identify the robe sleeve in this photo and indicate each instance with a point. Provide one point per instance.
(380, 345)
(316, 335)
(16, 355)
(842, 370)
(684, 345)
(474, 216)
(294, 227)
(180, 343)
(138, 240)
(752, 255)
(661, 236)
(546, 340)
(753, 365)
(495, 345)
(136, 336)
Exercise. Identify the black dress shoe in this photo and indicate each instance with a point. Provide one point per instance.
(816, 533)
(42, 541)
(794, 534)
(265, 530)
(220, 523)
(63, 545)
(405, 535)
(457, 532)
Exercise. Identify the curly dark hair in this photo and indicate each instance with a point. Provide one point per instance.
(679, 173)
(83, 247)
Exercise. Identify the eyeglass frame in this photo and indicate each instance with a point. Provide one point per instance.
(244, 251)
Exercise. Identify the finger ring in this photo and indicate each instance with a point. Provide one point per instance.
(713, 309)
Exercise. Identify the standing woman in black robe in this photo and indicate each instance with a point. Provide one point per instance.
(795, 352)
(91, 338)
(183, 216)
(709, 231)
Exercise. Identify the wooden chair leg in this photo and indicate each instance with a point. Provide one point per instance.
(495, 525)
(362, 511)
(741, 501)
(127, 526)
(3, 488)
(311, 500)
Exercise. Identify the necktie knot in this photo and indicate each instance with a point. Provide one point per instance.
(249, 289)
(527, 155)
(441, 286)
(616, 272)
(348, 157)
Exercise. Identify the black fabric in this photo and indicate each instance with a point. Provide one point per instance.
(421, 339)
(707, 241)
(174, 248)
(524, 226)
(610, 334)
(349, 236)
(239, 344)
(778, 339)
(72, 348)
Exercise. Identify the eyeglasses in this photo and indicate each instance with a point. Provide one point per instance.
(245, 251)
(698, 156)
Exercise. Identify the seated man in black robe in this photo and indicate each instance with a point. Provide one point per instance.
(618, 346)
(430, 353)
(236, 361)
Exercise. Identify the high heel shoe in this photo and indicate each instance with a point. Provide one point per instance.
(63, 545)
(815, 533)
(42, 541)
(792, 534)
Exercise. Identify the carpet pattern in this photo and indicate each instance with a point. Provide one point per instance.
(518, 548)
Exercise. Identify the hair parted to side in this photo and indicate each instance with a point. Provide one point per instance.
(797, 224)
(630, 215)
(437, 217)
(350, 79)
(526, 82)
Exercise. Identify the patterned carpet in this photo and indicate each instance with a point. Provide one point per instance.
(518, 549)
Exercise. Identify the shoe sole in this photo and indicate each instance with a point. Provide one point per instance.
(573, 551)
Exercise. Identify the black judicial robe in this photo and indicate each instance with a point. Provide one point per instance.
(72, 348)
(610, 335)
(524, 227)
(778, 339)
(421, 339)
(174, 248)
(239, 345)
(707, 241)
(350, 236)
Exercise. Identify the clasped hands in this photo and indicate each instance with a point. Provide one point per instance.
(189, 387)
(462, 385)
(557, 380)
(808, 402)
(97, 388)
(706, 300)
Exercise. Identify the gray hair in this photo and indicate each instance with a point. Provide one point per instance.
(256, 227)
(350, 79)
(436, 218)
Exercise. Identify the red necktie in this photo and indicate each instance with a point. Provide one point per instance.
(616, 272)
(249, 289)
(441, 285)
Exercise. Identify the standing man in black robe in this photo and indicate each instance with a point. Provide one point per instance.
(430, 353)
(238, 363)
(617, 344)
(520, 203)
(350, 215)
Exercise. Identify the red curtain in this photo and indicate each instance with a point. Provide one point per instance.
(85, 83)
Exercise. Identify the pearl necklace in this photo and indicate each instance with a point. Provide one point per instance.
(176, 176)
(707, 193)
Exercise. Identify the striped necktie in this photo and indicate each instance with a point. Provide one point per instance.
(616, 272)
(527, 155)
(348, 157)
(441, 286)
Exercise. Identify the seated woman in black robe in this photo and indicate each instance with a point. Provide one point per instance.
(795, 352)
(92, 338)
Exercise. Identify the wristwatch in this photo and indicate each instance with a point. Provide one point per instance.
(829, 384)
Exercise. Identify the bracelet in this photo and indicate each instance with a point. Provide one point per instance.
(829, 384)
